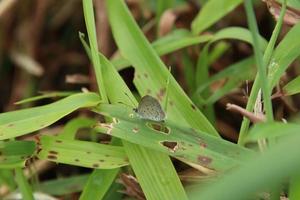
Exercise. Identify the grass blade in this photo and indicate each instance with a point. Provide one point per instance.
(211, 12)
(13, 154)
(261, 173)
(21, 122)
(135, 48)
(82, 153)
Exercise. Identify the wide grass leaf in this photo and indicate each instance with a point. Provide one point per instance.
(21, 122)
(82, 153)
(201, 150)
(257, 175)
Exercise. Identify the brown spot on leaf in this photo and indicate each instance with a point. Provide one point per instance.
(53, 152)
(138, 76)
(76, 160)
(148, 91)
(52, 157)
(146, 75)
(10, 125)
(107, 155)
(204, 160)
(95, 165)
(171, 103)
(101, 160)
(58, 141)
(172, 146)
(88, 152)
(135, 130)
(202, 144)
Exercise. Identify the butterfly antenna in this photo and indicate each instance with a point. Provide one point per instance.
(167, 90)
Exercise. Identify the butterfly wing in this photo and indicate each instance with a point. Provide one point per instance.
(149, 108)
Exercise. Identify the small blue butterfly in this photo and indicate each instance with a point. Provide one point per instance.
(150, 109)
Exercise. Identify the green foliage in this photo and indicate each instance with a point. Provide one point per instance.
(188, 134)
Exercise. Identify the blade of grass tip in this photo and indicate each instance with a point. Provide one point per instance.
(23, 185)
(262, 69)
(90, 23)
(256, 84)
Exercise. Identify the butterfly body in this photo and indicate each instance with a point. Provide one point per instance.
(150, 109)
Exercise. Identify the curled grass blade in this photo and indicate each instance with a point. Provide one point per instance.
(21, 122)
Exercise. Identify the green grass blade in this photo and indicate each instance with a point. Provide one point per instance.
(151, 74)
(285, 53)
(261, 173)
(255, 87)
(21, 122)
(23, 185)
(44, 96)
(271, 130)
(89, 19)
(233, 76)
(177, 39)
(71, 128)
(211, 12)
(155, 187)
(7, 178)
(292, 87)
(82, 153)
(13, 154)
(261, 66)
(144, 160)
(63, 186)
(165, 178)
(187, 145)
(98, 184)
(294, 192)
(182, 38)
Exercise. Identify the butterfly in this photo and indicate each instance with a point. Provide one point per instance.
(150, 109)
